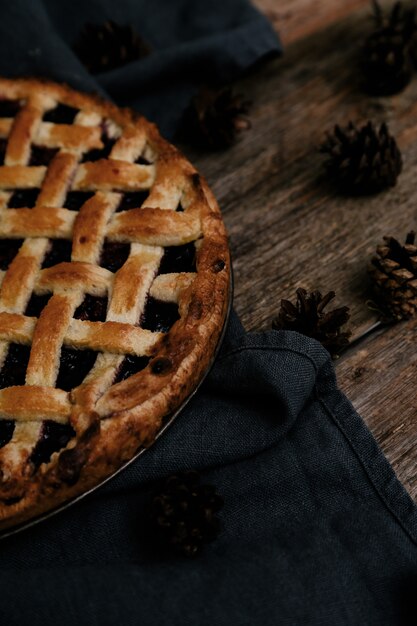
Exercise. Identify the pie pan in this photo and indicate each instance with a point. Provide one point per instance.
(114, 288)
(136, 458)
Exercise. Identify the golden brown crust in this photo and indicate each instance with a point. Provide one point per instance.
(111, 421)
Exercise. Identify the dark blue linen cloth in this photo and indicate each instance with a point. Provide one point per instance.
(192, 42)
(317, 529)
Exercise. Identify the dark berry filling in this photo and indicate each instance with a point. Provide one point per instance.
(142, 160)
(92, 308)
(75, 199)
(132, 200)
(178, 259)
(114, 255)
(41, 155)
(74, 367)
(6, 431)
(100, 153)
(61, 114)
(131, 365)
(23, 198)
(3, 146)
(14, 369)
(9, 108)
(159, 316)
(36, 304)
(8, 250)
(59, 252)
(53, 437)
(180, 208)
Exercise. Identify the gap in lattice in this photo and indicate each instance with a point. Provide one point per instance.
(178, 259)
(74, 367)
(159, 316)
(59, 252)
(114, 255)
(61, 114)
(131, 365)
(132, 200)
(24, 198)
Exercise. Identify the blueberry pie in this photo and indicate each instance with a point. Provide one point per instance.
(114, 282)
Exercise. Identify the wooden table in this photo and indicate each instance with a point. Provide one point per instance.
(287, 226)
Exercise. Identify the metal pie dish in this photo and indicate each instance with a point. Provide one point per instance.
(166, 423)
(114, 294)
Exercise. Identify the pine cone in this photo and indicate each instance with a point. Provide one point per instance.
(104, 47)
(394, 273)
(307, 316)
(214, 118)
(387, 55)
(362, 160)
(182, 513)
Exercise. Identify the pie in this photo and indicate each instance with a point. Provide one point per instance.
(114, 287)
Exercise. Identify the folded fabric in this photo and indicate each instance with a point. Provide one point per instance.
(317, 529)
(192, 41)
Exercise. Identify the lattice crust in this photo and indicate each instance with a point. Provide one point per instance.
(115, 270)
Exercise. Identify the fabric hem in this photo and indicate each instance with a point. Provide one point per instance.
(378, 469)
(376, 466)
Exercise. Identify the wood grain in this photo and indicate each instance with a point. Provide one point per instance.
(288, 227)
(379, 377)
(295, 19)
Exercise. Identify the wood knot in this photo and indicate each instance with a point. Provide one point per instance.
(358, 372)
(161, 366)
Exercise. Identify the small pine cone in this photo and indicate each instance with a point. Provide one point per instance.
(214, 118)
(104, 47)
(394, 274)
(362, 160)
(387, 64)
(183, 513)
(387, 55)
(307, 316)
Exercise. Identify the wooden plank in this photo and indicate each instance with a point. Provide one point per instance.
(379, 378)
(296, 19)
(288, 227)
